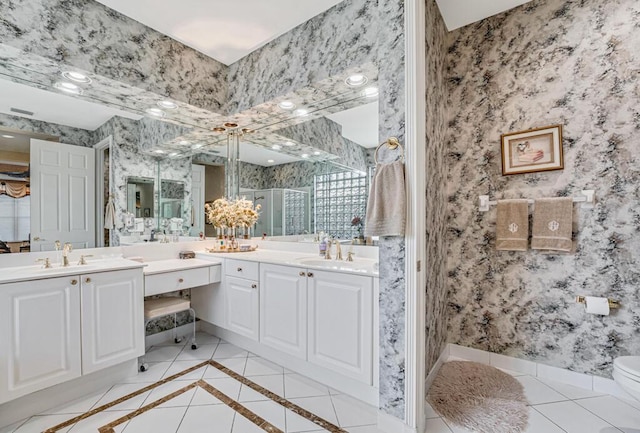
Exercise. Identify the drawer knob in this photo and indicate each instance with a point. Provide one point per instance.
(74, 282)
(239, 269)
(302, 273)
(254, 286)
(181, 280)
(310, 274)
(87, 280)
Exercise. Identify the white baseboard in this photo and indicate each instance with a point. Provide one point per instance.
(390, 424)
(39, 401)
(165, 336)
(444, 355)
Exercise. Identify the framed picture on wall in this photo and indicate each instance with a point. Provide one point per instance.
(146, 212)
(532, 151)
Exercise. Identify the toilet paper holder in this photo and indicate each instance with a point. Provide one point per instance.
(612, 304)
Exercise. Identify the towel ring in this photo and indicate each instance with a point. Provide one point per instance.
(392, 143)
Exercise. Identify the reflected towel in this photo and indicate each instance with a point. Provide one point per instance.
(552, 224)
(109, 214)
(512, 225)
(386, 207)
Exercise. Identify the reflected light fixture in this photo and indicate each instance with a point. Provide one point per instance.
(276, 147)
(7, 136)
(316, 153)
(289, 143)
(287, 105)
(173, 154)
(197, 146)
(370, 92)
(68, 87)
(155, 112)
(301, 112)
(169, 105)
(305, 155)
(356, 80)
(270, 161)
(230, 125)
(218, 129)
(159, 151)
(184, 142)
(78, 77)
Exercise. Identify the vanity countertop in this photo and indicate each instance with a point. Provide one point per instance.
(170, 265)
(359, 266)
(37, 272)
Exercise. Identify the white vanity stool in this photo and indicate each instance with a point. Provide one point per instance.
(626, 372)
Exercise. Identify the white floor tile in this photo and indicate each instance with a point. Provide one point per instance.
(274, 383)
(572, 418)
(234, 364)
(179, 366)
(206, 419)
(261, 367)
(202, 352)
(165, 420)
(243, 425)
(320, 406)
(162, 353)
(226, 385)
(93, 423)
(430, 412)
(296, 385)
(268, 410)
(154, 373)
(12, 427)
(80, 405)
(37, 424)
(204, 338)
(614, 411)
(580, 380)
(352, 412)
(204, 398)
(163, 390)
(121, 390)
(226, 350)
(537, 392)
(540, 424)
(570, 391)
(433, 425)
(369, 429)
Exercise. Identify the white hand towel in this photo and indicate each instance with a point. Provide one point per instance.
(109, 214)
(386, 207)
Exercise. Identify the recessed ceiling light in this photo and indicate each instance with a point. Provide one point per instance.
(370, 92)
(159, 151)
(356, 80)
(276, 147)
(169, 105)
(230, 125)
(305, 155)
(78, 77)
(197, 146)
(184, 142)
(218, 129)
(173, 154)
(316, 153)
(7, 136)
(287, 105)
(270, 160)
(301, 112)
(68, 87)
(156, 112)
(289, 143)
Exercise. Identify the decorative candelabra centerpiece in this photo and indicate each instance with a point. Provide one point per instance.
(227, 216)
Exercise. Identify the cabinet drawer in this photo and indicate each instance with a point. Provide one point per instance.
(215, 274)
(242, 269)
(177, 280)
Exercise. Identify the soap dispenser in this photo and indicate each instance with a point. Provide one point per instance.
(323, 245)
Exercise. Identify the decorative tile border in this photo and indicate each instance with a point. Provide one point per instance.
(257, 420)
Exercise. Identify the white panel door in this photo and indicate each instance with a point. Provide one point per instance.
(112, 318)
(283, 309)
(62, 195)
(242, 306)
(197, 197)
(40, 335)
(341, 323)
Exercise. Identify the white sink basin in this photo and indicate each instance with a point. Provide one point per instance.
(362, 265)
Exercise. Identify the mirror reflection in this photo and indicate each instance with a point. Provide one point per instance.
(172, 195)
(140, 191)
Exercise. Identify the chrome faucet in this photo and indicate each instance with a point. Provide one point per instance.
(65, 253)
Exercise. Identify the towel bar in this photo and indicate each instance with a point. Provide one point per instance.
(587, 199)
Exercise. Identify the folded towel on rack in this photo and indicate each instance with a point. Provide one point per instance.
(386, 207)
(552, 224)
(512, 225)
(109, 214)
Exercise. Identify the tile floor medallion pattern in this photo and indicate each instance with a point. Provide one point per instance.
(217, 388)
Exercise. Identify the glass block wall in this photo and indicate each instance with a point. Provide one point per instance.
(295, 212)
(339, 197)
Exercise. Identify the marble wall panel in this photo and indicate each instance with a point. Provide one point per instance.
(66, 134)
(550, 61)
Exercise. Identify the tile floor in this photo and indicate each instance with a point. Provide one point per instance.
(198, 411)
(557, 408)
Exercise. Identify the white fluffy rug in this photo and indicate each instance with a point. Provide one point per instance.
(479, 397)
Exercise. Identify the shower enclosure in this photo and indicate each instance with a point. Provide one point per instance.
(283, 211)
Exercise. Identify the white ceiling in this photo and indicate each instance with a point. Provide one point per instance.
(54, 107)
(260, 155)
(226, 30)
(459, 13)
(359, 124)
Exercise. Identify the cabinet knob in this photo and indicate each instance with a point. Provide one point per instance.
(87, 280)
(302, 273)
(239, 269)
(181, 280)
(254, 286)
(74, 282)
(310, 274)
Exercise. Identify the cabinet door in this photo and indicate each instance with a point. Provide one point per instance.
(242, 306)
(40, 337)
(112, 318)
(341, 323)
(283, 309)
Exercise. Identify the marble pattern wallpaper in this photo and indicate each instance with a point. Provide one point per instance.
(436, 194)
(66, 134)
(547, 62)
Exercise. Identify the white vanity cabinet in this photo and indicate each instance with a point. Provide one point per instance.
(283, 309)
(40, 338)
(242, 307)
(340, 309)
(112, 318)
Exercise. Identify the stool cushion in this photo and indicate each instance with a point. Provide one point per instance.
(163, 306)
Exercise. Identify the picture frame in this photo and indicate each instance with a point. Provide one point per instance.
(532, 151)
(146, 212)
